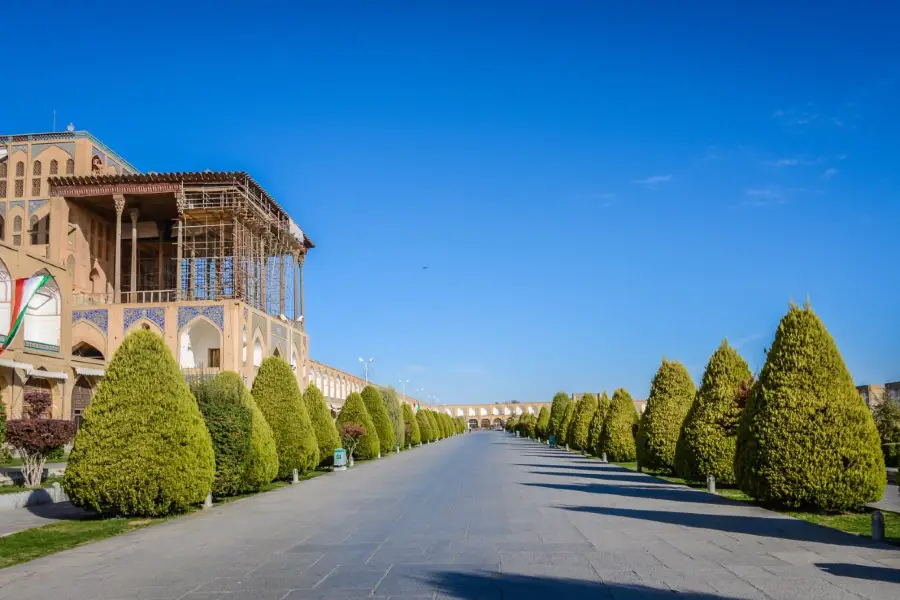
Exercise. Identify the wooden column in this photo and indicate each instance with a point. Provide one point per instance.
(281, 284)
(134, 253)
(296, 266)
(179, 287)
(119, 201)
(262, 278)
(160, 259)
(300, 272)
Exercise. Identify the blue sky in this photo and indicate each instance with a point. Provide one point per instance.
(592, 185)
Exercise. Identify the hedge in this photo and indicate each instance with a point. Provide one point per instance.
(354, 413)
(707, 440)
(424, 426)
(671, 394)
(581, 422)
(433, 426)
(596, 427)
(383, 428)
(323, 425)
(806, 437)
(566, 424)
(617, 437)
(395, 414)
(276, 392)
(557, 414)
(143, 448)
(228, 422)
(409, 419)
(543, 423)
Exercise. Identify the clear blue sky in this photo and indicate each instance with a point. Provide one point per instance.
(592, 185)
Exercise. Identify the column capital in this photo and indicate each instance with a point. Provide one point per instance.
(119, 201)
(134, 214)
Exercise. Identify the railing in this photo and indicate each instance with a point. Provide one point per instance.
(139, 297)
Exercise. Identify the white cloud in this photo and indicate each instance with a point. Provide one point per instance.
(654, 180)
(829, 173)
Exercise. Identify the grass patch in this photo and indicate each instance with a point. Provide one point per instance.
(56, 537)
(15, 489)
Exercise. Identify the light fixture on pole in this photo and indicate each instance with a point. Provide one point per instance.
(366, 365)
(403, 387)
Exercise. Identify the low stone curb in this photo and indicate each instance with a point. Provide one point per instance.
(49, 495)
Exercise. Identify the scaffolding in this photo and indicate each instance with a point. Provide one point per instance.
(234, 242)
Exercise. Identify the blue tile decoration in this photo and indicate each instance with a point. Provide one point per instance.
(154, 314)
(279, 346)
(15, 203)
(3, 209)
(215, 313)
(279, 331)
(97, 316)
(35, 205)
(41, 346)
(18, 148)
(67, 147)
(111, 164)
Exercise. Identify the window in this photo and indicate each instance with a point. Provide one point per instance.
(2, 228)
(215, 358)
(20, 169)
(20, 188)
(3, 189)
(42, 323)
(4, 169)
(36, 168)
(17, 231)
(35, 187)
(40, 231)
(70, 167)
(54, 167)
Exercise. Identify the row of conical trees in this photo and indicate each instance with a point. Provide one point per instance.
(151, 443)
(798, 435)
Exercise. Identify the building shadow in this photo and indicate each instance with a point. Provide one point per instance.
(488, 586)
(652, 491)
(608, 476)
(861, 572)
(776, 527)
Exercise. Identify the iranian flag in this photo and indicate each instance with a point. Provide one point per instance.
(24, 291)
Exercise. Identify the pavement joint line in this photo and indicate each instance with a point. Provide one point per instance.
(326, 576)
(383, 577)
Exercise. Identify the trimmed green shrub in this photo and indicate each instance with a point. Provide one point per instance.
(557, 414)
(442, 433)
(566, 425)
(432, 422)
(526, 425)
(581, 422)
(511, 423)
(142, 448)
(617, 437)
(543, 423)
(228, 422)
(671, 395)
(887, 421)
(806, 437)
(424, 426)
(596, 427)
(383, 428)
(354, 412)
(395, 414)
(413, 434)
(323, 425)
(278, 396)
(709, 433)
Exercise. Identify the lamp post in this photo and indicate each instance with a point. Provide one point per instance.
(366, 365)
(403, 386)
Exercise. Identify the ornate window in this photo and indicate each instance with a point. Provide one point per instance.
(5, 298)
(70, 167)
(54, 167)
(35, 187)
(43, 318)
(36, 168)
(20, 188)
(3, 189)
(4, 169)
(17, 231)
(20, 169)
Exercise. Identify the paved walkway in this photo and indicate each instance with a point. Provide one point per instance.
(478, 516)
(20, 519)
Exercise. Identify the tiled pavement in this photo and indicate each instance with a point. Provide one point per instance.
(478, 516)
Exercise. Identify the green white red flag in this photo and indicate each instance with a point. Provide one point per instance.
(23, 291)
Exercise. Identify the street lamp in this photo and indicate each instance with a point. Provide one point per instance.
(366, 365)
(403, 386)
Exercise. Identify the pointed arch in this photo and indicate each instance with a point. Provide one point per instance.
(81, 399)
(258, 352)
(5, 298)
(43, 317)
(145, 324)
(88, 340)
(200, 344)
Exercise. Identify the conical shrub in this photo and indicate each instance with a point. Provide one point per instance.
(671, 395)
(432, 422)
(395, 414)
(581, 421)
(566, 424)
(354, 413)
(543, 423)
(617, 437)
(596, 427)
(557, 414)
(143, 448)
(323, 426)
(709, 433)
(806, 437)
(276, 392)
(424, 426)
(375, 405)
(414, 436)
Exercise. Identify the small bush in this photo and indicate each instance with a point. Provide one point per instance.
(424, 426)
(354, 413)
(566, 425)
(276, 392)
(671, 395)
(143, 448)
(228, 422)
(806, 437)
(413, 434)
(322, 424)
(707, 440)
(542, 423)
(395, 414)
(36, 439)
(617, 437)
(557, 414)
(585, 409)
(383, 428)
(351, 435)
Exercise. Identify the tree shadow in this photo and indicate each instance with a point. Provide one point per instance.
(608, 476)
(776, 527)
(490, 586)
(654, 491)
(61, 511)
(861, 572)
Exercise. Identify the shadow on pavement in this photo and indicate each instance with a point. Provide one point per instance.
(471, 586)
(652, 491)
(60, 511)
(861, 572)
(777, 526)
(609, 476)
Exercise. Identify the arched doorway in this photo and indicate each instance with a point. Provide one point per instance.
(86, 350)
(485, 423)
(473, 423)
(81, 398)
(43, 318)
(498, 424)
(201, 345)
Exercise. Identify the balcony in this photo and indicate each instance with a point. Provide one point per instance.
(139, 297)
